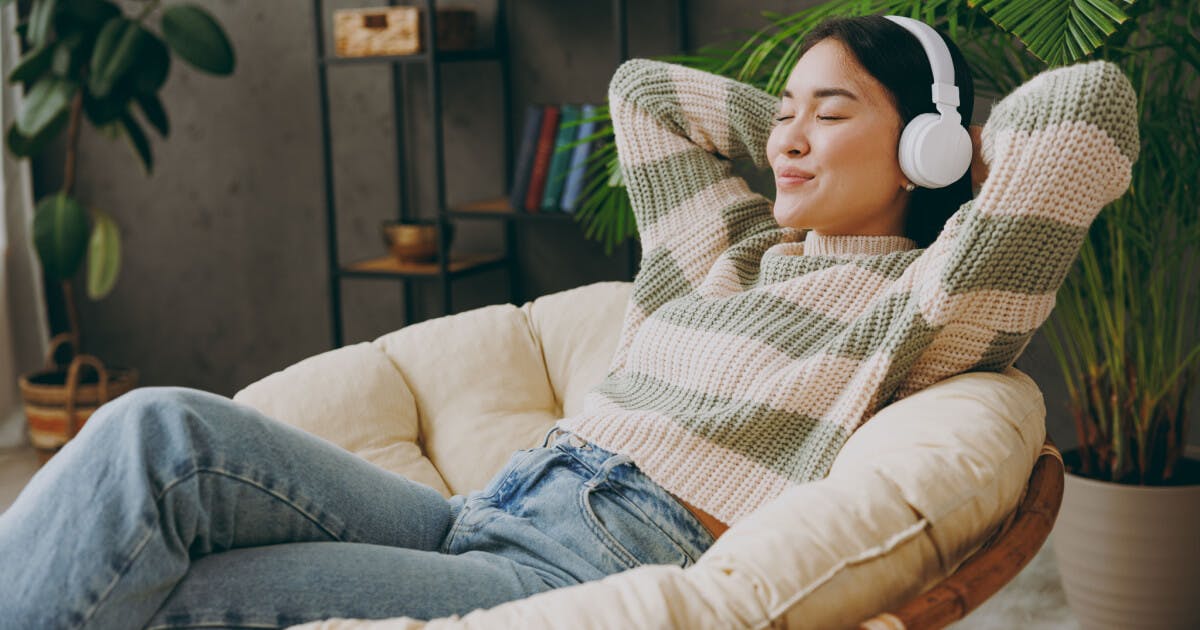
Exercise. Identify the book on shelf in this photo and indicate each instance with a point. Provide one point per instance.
(523, 167)
(560, 159)
(577, 169)
(541, 159)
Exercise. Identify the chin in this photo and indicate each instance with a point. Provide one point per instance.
(790, 217)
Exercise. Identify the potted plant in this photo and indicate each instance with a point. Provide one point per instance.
(1124, 332)
(87, 59)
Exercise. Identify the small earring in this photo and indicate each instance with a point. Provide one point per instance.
(910, 187)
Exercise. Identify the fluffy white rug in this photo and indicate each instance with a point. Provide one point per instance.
(1034, 600)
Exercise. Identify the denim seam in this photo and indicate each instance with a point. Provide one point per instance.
(606, 538)
(514, 467)
(647, 519)
(254, 483)
(457, 525)
(87, 617)
(211, 624)
(158, 499)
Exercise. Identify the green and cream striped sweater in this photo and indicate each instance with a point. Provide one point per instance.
(749, 354)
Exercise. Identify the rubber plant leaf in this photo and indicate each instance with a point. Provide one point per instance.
(49, 98)
(104, 256)
(60, 234)
(116, 48)
(197, 37)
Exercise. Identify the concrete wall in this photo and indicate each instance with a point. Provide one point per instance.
(225, 276)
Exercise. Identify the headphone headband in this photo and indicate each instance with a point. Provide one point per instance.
(944, 92)
(935, 149)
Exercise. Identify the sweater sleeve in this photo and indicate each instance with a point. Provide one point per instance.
(678, 131)
(1059, 148)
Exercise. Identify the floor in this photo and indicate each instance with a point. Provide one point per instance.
(1032, 601)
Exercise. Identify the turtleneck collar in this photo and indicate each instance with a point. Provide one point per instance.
(835, 245)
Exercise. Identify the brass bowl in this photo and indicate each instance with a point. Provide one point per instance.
(414, 241)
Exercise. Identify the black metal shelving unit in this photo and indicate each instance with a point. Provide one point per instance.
(444, 270)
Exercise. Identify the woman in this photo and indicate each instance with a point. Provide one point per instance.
(751, 350)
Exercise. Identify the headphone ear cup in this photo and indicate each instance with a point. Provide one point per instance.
(934, 153)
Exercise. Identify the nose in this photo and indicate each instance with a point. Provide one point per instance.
(796, 141)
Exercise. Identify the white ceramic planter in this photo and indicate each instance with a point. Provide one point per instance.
(1129, 556)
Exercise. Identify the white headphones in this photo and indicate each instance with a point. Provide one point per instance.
(935, 149)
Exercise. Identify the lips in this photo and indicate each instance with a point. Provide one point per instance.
(790, 177)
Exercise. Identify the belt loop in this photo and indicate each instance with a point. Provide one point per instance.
(552, 433)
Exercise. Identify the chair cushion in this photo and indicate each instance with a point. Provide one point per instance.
(911, 495)
(919, 489)
(578, 330)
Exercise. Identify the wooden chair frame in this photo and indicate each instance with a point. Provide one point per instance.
(996, 563)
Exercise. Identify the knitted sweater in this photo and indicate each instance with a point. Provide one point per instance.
(750, 352)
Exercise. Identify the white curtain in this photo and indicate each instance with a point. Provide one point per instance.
(24, 333)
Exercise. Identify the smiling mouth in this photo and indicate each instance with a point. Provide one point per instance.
(791, 181)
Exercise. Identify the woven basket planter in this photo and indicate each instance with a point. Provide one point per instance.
(59, 399)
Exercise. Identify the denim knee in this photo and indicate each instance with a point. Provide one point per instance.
(134, 409)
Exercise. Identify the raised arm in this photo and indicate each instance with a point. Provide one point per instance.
(677, 131)
(1058, 149)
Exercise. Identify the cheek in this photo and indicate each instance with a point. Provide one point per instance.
(867, 157)
(772, 144)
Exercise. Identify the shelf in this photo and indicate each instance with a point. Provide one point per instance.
(387, 266)
(449, 56)
(500, 208)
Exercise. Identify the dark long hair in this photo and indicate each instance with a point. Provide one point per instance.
(896, 59)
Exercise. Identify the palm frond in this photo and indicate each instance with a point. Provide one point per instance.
(1057, 32)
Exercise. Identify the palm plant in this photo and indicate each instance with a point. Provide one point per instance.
(1124, 332)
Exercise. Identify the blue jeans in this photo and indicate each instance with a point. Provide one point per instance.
(177, 508)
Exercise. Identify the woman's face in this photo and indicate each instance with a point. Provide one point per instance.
(834, 148)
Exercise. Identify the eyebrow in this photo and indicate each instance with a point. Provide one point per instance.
(826, 93)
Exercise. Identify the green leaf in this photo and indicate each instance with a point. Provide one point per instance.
(50, 97)
(85, 18)
(60, 233)
(197, 37)
(1058, 32)
(32, 65)
(114, 53)
(137, 140)
(41, 19)
(153, 109)
(93, 11)
(103, 111)
(67, 55)
(104, 256)
(22, 146)
(152, 66)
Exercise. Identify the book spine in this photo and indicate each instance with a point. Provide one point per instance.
(561, 158)
(524, 165)
(541, 161)
(578, 167)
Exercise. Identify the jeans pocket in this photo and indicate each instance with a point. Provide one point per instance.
(625, 531)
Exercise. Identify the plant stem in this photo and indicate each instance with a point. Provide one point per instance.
(146, 11)
(72, 142)
(68, 185)
(72, 316)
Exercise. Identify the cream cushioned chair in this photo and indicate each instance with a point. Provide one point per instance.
(926, 483)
